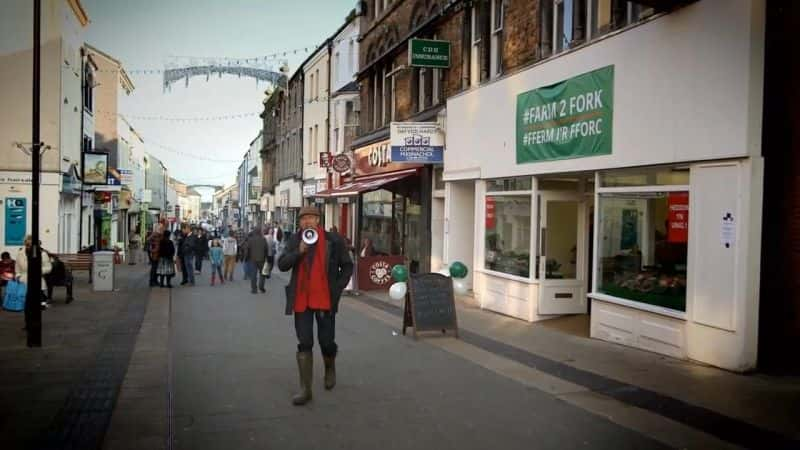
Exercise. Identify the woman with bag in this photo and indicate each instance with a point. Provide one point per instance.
(22, 267)
(166, 262)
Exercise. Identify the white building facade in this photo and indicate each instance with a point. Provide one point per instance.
(622, 179)
(344, 119)
(62, 66)
(316, 123)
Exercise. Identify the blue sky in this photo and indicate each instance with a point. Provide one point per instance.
(144, 34)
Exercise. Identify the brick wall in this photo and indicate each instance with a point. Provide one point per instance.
(520, 33)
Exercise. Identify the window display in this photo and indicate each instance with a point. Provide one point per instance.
(643, 247)
(508, 234)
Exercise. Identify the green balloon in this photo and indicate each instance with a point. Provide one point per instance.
(400, 273)
(458, 270)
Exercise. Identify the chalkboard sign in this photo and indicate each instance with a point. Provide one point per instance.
(430, 305)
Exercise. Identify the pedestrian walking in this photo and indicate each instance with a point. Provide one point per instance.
(255, 255)
(166, 264)
(313, 294)
(202, 249)
(230, 249)
(215, 254)
(188, 250)
(272, 249)
(153, 244)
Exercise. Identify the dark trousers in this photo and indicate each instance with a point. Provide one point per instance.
(188, 268)
(326, 331)
(153, 275)
(255, 274)
(67, 285)
(271, 262)
(198, 263)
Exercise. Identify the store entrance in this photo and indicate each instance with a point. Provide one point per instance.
(563, 258)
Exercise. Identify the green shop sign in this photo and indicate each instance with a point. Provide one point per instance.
(569, 119)
(428, 53)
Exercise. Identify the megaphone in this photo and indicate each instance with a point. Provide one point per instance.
(310, 236)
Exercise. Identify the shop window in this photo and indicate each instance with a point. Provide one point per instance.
(643, 243)
(508, 234)
(509, 184)
(661, 176)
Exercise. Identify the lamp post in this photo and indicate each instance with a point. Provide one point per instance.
(33, 312)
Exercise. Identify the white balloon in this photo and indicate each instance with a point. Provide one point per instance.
(445, 272)
(397, 291)
(459, 287)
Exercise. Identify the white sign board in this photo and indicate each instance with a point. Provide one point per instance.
(125, 176)
(417, 142)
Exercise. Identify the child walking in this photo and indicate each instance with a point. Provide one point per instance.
(216, 256)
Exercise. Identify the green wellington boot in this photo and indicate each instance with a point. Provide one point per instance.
(330, 372)
(305, 365)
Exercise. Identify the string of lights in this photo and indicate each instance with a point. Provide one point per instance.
(190, 155)
(225, 60)
(179, 119)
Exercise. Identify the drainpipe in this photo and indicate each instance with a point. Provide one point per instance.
(83, 91)
(328, 174)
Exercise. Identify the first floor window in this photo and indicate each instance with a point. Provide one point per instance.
(643, 246)
(508, 234)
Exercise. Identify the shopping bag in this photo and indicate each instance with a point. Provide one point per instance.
(14, 299)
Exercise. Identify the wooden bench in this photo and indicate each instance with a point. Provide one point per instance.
(77, 262)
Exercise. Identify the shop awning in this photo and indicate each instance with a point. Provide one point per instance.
(366, 184)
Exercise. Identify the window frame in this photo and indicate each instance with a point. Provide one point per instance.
(496, 50)
(475, 48)
(594, 293)
(531, 195)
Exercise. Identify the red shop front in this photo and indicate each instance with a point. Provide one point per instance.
(391, 204)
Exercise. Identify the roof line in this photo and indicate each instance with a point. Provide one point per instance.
(125, 80)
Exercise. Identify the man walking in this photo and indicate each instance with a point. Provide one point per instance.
(271, 251)
(320, 272)
(255, 255)
(153, 244)
(188, 250)
(229, 250)
(201, 252)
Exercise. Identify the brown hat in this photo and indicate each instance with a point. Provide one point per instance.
(308, 211)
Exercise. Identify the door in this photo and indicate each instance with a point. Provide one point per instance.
(563, 243)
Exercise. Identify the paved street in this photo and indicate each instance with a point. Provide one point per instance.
(234, 373)
(213, 367)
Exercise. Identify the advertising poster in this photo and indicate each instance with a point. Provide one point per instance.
(95, 168)
(678, 218)
(568, 119)
(16, 220)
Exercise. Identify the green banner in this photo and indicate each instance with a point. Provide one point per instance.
(428, 53)
(569, 119)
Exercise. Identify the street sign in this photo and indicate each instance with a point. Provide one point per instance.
(428, 53)
(417, 142)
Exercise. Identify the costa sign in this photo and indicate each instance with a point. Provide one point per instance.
(341, 163)
(377, 158)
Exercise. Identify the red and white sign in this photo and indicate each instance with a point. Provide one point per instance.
(325, 159)
(490, 213)
(678, 217)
